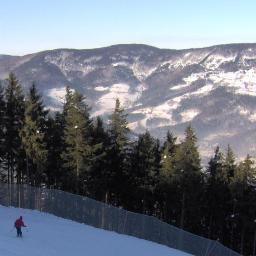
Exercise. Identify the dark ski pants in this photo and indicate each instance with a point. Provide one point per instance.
(19, 233)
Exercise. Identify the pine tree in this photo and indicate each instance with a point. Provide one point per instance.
(243, 209)
(77, 141)
(229, 165)
(215, 168)
(33, 136)
(99, 175)
(144, 172)
(2, 117)
(167, 156)
(119, 127)
(166, 192)
(188, 176)
(55, 146)
(14, 118)
(216, 198)
(2, 129)
(116, 155)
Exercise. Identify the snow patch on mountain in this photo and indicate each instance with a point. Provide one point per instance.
(162, 111)
(166, 109)
(66, 64)
(184, 60)
(215, 60)
(178, 87)
(123, 92)
(92, 59)
(121, 63)
(142, 71)
(57, 97)
(57, 93)
(218, 135)
(242, 81)
(203, 90)
(189, 115)
(101, 88)
(193, 77)
(250, 114)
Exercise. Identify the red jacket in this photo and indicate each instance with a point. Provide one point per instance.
(19, 223)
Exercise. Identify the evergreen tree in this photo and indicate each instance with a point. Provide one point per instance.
(119, 127)
(2, 117)
(55, 146)
(13, 122)
(99, 176)
(167, 156)
(166, 191)
(2, 129)
(244, 207)
(215, 168)
(188, 176)
(116, 155)
(144, 172)
(216, 198)
(229, 165)
(77, 142)
(33, 136)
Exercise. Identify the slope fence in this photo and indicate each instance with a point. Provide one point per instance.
(100, 215)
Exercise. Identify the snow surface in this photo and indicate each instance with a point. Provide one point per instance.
(215, 60)
(165, 110)
(57, 93)
(189, 114)
(48, 235)
(106, 103)
(249, 114)
(242, 81)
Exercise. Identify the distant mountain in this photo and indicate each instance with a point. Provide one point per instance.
(213, 88)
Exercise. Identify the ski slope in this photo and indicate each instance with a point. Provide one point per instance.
(48, 235)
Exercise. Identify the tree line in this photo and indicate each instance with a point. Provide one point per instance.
(71, 151)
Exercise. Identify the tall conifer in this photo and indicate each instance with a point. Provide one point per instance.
(33, 136)
(117, 153)
(145, 170)
(188, 175)
(77, 141)
(13, 122)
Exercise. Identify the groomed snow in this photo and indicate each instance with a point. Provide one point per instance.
(48, 235)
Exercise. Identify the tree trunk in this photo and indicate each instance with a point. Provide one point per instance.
(242, 241)
(27, 170)
(77, 178)
(103, 210)
(210, 228)
(254, 244)
(182, 217)
(106, 197)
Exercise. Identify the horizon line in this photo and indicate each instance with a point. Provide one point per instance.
(126, 44)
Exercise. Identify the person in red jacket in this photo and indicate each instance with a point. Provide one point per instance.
(18, 224)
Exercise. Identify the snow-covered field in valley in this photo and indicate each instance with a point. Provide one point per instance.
(48, 235)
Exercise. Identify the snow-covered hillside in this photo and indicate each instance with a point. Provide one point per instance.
(48, 235)
(213, 88)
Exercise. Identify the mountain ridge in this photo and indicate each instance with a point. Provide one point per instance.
(212, 88)
(132, 44)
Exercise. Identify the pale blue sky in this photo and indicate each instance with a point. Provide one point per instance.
(31, 25)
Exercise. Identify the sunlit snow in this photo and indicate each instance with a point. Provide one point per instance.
(48, 235)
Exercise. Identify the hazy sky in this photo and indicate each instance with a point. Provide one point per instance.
(31, 25)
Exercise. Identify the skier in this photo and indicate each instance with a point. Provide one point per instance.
(18, 224)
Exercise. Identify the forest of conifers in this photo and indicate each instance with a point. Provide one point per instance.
(71, 151)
